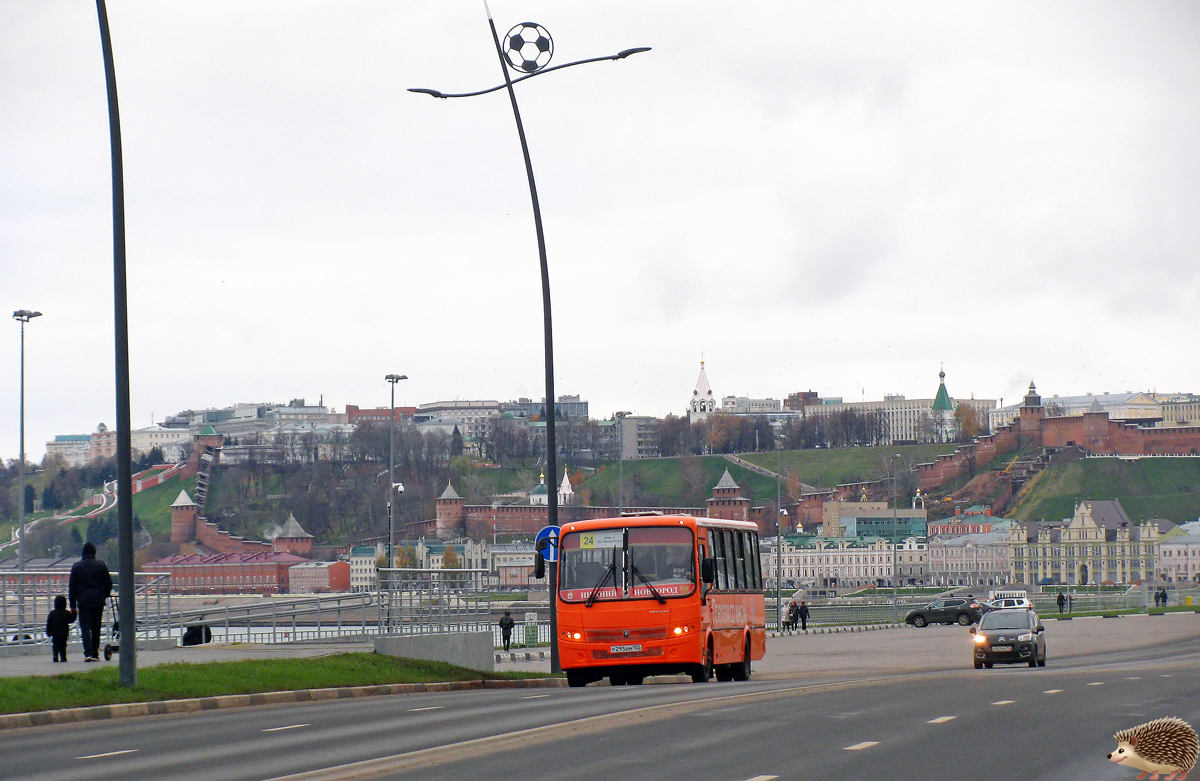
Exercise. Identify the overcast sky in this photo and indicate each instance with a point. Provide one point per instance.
(835, 196)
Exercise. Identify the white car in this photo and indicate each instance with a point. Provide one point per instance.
(1010, 603)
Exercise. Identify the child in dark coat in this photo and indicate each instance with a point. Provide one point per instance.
(58, 627)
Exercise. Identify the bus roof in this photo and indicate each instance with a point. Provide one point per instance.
(657, 520)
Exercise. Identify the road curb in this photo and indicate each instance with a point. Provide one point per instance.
(161, 707)
(832, 630)
(522, 656)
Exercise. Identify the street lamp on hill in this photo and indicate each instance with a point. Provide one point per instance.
(22, 316)
(392, 489)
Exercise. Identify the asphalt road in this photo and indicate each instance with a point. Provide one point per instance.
(1052, 724)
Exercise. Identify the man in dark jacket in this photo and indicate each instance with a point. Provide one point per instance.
(89, 587)
(506, 626)
(803, 616)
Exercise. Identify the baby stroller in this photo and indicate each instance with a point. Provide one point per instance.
(114, 632)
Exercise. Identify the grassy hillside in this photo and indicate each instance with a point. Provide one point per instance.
(1148, 488)
(153, 506)
(673, 482)
(828, 468)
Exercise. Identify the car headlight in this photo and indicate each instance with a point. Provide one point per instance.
(980, 639)
(1025, 638)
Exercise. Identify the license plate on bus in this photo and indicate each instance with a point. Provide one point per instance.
(625, 649)
(1001, 648)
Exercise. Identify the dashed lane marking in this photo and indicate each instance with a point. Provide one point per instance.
(281, 729)
(860, 746)
(534, 696)
(431, 707)
(1052, 691)
(941, 719)
(1004, 702)
(762, 778)
(1167, 675)
(1134, 678)
(109, 754)
(1096, 683)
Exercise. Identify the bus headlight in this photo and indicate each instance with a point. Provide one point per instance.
(679, 630)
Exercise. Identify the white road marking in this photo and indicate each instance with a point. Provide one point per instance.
(941, 719)
(1004, 702)
(534, 696)
(1052, 691)
(865, 744)
(762, 778)
(1096, 683)
(1134, 678)
(1167, 675)
(431, 707)
(109, 754)
(281, 729)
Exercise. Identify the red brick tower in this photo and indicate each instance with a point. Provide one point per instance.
(450, 514)
(727, 501)
(183, 519)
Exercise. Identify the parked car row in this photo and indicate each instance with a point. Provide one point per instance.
(960, 610)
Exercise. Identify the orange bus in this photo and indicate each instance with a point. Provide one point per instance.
(659, 594)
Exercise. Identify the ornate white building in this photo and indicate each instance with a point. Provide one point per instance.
(702, 402)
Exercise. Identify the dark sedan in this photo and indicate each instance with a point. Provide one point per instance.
(1010, 637)
(945, 611)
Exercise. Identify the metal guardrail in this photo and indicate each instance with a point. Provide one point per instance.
(432, 601)
(27, 597)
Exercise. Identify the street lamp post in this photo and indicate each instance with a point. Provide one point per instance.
(126, 611)
(22, 316)
(780, 514)
(620, 418)
(895, 561)
(528, 49)
(391, 501)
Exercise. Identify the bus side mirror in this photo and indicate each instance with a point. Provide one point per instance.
(539, 565)
(707, 570)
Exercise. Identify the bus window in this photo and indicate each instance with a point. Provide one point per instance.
(718, 552)
(661, 555)
(756, 561)
(739, 560)
(589, 559)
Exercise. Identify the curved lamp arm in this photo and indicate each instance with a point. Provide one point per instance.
(618, 56)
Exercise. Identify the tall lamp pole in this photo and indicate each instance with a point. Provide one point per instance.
(22, 316)
(620, 418)
(391, 500)
(527, 49)
(780, 514)
(126, 607)
(895, 562)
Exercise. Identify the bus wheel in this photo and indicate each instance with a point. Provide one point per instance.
(617, 679)
(703, 673)
(576, 678)
(741, 670)
(634, 679)
(724, 673)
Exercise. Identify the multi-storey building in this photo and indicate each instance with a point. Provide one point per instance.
(912, 562)
(969, 560)
(1097, 544)
(1179, 558)
(364, 575)
(72, 448)
(909, 420)
(319, 577)
(227, 573)
(872, 519)
(825, 563)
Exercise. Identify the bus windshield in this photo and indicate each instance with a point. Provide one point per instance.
(627, 563)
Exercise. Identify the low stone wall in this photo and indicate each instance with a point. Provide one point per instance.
(473, 650)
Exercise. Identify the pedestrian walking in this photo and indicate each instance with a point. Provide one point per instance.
(506, 626)
(793, 616)
(58, 627)
(89, 587)
(1062, 601)
(803, 616)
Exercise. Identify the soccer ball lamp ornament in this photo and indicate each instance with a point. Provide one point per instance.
(528, 47)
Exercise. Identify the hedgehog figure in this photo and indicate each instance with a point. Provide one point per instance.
(1162, 746)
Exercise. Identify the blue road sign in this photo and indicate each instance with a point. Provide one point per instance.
(550, 548)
